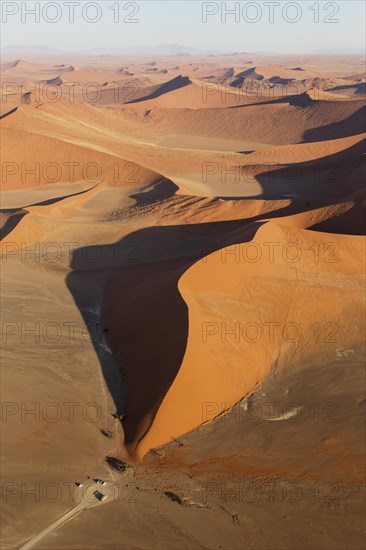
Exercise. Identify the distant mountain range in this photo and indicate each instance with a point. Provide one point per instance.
(340, 51)
(30, 50)
(24, 51)
(162, 49)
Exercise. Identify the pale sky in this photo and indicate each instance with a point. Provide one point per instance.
(275, 26)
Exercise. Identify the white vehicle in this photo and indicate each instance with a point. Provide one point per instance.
(79, 485)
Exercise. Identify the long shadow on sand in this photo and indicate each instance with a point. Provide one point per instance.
(17, 214)
(352, 125)
(132, 293)
(11, 223)
(334, 175)
(142, 315)
(131, 289)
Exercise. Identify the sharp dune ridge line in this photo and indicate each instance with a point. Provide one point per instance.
(188, 228)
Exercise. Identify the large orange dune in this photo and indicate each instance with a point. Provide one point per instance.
(240, 325)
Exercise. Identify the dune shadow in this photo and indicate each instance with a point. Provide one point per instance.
(17, 214)
(11, 223)
(321, 180)
(55, 200)
(9, 113)
(45, 202)
(274, 101)
(132, 294)
(86, 283)
(174, 84)
(360, 88)
(128, 291)
(160, 190)
(352, 125)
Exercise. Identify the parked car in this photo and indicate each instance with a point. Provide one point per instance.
(100, 481)
(100, 495)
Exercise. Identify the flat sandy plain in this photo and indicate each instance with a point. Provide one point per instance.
(182, 243)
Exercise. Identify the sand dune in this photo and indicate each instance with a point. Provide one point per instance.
(21, 71)
(200, 221)
(289, 121)
(227, 320)
(270, 71)
(50, 160)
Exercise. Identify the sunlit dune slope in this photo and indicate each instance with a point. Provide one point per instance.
(235, 302)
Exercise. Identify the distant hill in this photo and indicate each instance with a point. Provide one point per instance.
(161, 49)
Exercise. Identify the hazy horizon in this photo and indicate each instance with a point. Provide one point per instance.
(179, 49)
(279, 27)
